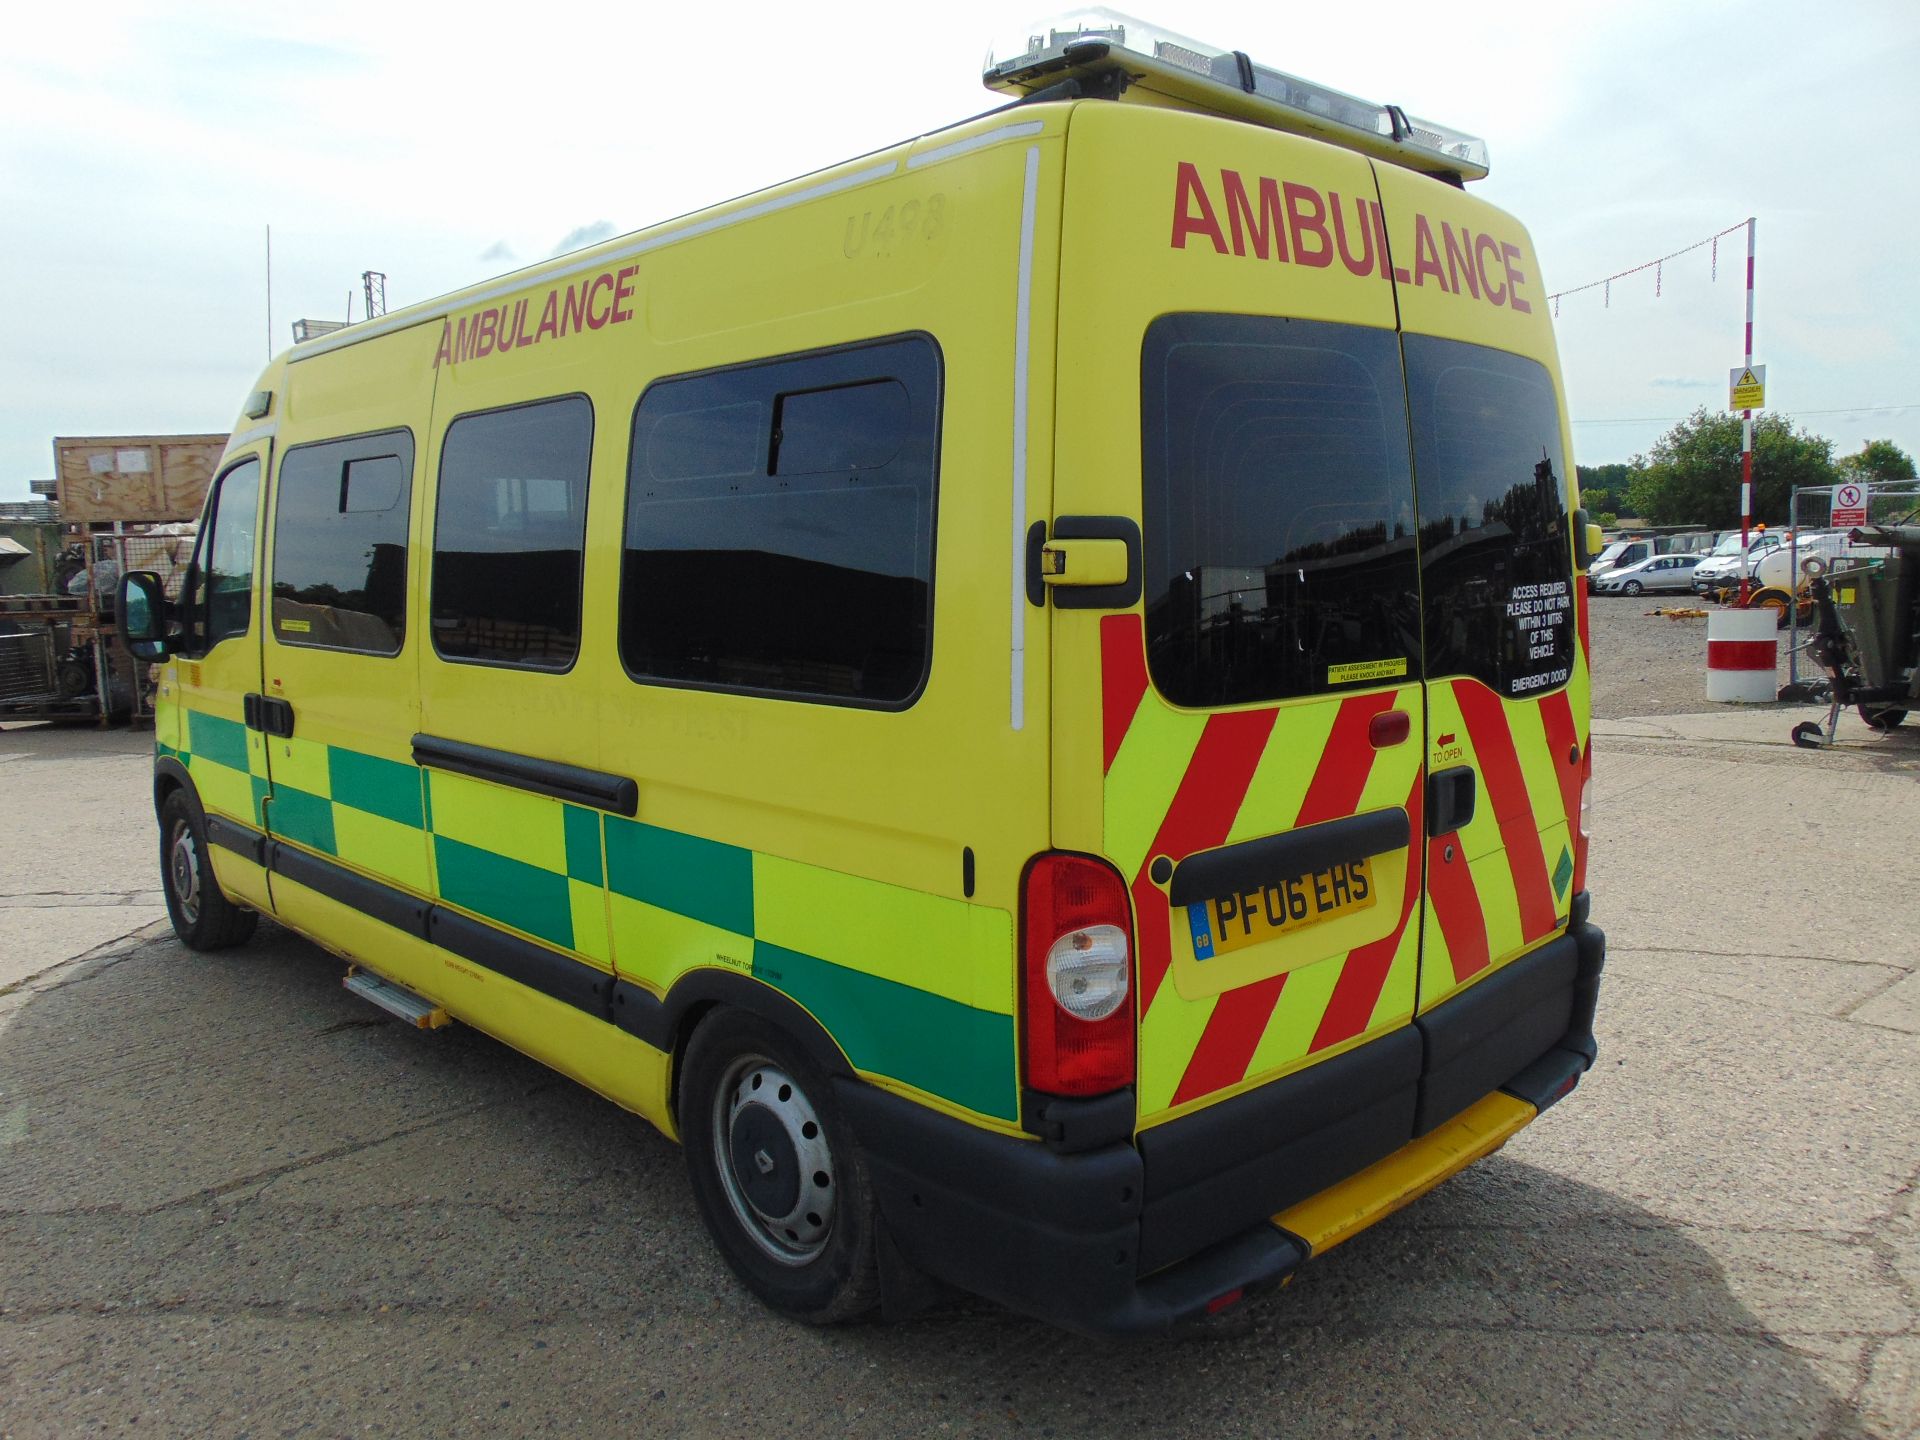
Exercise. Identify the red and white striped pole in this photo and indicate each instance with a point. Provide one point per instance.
(1746, 445)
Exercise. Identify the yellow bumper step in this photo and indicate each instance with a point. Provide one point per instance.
(1342, 1211)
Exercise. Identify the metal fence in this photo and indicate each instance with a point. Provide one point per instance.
(26, 666)
(1890, 502)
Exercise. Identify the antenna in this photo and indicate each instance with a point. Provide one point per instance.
(374, 283)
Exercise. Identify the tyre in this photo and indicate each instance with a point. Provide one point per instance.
(776, 1172)
(202, 916)
(1808, 735)
(1778, 601)
(1880, 717)
(1632, 587)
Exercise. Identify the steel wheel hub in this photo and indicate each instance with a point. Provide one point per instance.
(773, 1160)
(183, 871)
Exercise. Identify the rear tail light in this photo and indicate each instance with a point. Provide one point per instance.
(1078, 961)
(1586, 807)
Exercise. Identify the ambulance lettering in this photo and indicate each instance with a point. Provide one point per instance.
(1296, 224)
(590, 304)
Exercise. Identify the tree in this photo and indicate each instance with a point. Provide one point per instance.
(1603, 487)
(1693, 474)
(1878, 460)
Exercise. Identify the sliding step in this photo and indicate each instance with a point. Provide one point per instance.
(416, 1010)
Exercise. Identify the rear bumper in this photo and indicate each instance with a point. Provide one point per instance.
(1134, 1238)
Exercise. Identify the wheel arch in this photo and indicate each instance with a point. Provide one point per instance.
(170, 775)
(668, 1021)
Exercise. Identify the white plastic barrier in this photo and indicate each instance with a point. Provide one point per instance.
(1742, 655)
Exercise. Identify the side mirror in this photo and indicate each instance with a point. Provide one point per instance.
(140, 610)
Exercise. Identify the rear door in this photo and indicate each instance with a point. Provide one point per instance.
(1504, 617)
(1243, 743)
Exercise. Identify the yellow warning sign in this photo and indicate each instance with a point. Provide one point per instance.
(1366, 670)
(1747, 387)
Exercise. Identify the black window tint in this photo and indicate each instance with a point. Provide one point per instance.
(228, 585)
(340, 544)
(509, 535)
(373, 485)
(850, 427)
(1279, 514)
(780, 522)
(708, 441)
(1496, 554)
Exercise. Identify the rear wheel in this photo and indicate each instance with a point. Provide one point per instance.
(776, 1172)
(202, 916)
(1881, 717)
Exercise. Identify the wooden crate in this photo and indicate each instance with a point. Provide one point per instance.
(104, 478)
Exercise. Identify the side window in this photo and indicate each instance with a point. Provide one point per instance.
(218, 595)
(509, 535)
(340, 520)
(780, 524)
(1496, 554)
(1278, 509)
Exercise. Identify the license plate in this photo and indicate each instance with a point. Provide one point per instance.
(1233, 922)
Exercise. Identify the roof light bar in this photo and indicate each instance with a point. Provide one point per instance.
(1227, 82)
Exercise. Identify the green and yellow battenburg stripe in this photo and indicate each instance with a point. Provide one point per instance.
(916, 988)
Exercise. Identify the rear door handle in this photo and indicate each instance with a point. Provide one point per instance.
(1112, 571)
(1450, 796)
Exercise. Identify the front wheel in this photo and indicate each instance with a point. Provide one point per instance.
(776, 1172)
(1632, 587)
(202, 916)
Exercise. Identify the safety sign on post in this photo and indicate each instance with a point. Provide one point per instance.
(1850, 505)
(1747, 387)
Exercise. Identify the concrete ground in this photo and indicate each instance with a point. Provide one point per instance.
(234, 1200)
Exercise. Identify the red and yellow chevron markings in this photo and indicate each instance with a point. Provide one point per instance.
(1506, 792)
(1192, 782)
(1240, 1017)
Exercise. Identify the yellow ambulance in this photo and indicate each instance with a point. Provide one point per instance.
(1025, 697)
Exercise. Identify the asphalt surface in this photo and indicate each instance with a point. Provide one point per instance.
(235, 1200)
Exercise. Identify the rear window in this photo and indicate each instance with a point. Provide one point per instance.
(1496, 555)
(1279, 534)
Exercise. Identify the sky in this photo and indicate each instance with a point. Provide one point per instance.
(145, 149)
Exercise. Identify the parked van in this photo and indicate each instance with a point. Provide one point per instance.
(1619, 554)
(1024, 696)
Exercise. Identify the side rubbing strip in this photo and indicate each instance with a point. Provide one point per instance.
(593, 788)
(533, 966)
(1274, 858)
(336, 882)
(552, 974)
(238, 838)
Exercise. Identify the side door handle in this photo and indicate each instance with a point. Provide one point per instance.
(268, 714)
(1450, 796)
